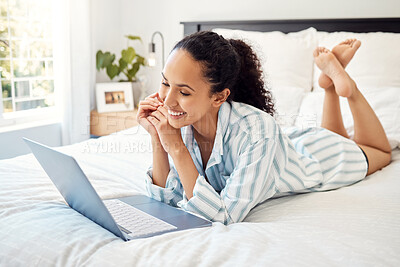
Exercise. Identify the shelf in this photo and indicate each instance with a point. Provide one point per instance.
(110, 122)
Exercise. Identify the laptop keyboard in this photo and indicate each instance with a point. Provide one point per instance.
(133, 221)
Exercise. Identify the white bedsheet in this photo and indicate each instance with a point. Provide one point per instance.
(357, 225)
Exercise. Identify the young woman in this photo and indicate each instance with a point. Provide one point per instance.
(213, 117)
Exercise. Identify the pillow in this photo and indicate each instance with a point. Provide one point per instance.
(286, 59)
(287, 104)
(375, 64)
(287, 64)
(385, 101)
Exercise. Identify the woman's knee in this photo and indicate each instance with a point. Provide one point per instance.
(377, 159)
(388, 157)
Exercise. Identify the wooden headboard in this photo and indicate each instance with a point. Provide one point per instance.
(328, 25)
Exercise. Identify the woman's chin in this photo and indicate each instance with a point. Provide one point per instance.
(177, 124)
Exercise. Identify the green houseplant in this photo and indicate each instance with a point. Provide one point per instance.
(129, 63)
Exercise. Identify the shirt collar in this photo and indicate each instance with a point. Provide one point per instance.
(222, 126)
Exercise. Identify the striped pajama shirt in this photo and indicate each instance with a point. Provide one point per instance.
(253, 160)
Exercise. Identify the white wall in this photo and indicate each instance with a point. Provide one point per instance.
(106, 33)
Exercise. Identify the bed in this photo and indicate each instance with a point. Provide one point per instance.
(358, 225)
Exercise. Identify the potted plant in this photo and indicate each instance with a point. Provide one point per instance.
(129, 64)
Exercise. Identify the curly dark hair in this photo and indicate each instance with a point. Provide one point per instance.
(229, 63)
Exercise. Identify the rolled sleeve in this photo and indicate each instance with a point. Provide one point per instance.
(205, 200)
(173, 191)
(248, 184)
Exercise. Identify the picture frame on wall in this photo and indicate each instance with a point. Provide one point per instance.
(113, 97)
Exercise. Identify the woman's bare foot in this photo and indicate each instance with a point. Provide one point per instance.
(328, 63)
(344, 52)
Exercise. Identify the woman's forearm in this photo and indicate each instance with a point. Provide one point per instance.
(186, 169)
(160, 164)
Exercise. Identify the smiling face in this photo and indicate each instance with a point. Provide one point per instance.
(186, 93)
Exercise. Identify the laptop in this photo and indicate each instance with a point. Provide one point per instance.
(129, 218)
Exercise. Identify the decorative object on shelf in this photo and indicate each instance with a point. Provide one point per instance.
(129, 64)
(152, 50)
(114, 97)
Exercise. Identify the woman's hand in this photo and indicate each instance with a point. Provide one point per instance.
(170, 137)
(146, 107)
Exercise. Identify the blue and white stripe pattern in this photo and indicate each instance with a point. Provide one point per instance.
(253, 160)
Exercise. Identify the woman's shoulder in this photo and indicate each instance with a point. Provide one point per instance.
(255, 123)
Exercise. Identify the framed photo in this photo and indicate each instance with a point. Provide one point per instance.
(111, 97)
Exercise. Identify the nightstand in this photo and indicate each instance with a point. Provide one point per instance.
(110, 122)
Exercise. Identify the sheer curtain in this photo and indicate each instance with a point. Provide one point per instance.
(73, 67)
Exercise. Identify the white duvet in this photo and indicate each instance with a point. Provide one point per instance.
(353, 226)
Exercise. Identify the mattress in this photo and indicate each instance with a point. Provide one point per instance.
(358, 225)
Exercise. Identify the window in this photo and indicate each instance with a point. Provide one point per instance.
(26, 57)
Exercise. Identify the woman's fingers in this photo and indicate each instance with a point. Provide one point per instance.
(157, 114)
(145, 107)
(151, 101)
(149, 114)
(145, 110)
(155, 97)
(159, 98)
(158, 119)
(163, 111)
(153, 120)
(148, 126)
